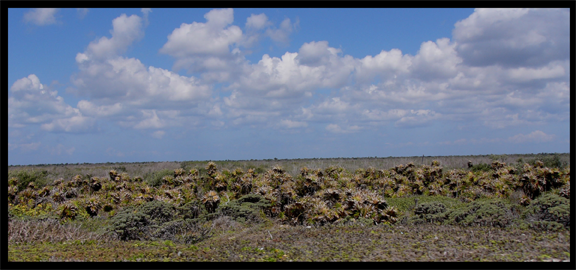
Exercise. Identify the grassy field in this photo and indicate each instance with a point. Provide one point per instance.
(502, 208)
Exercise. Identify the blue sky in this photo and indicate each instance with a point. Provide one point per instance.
(127, 85)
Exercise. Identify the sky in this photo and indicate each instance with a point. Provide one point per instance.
(135, 85)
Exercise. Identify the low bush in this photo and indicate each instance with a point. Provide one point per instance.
(191, 210)
(550, 208)
(158, 211)
(155, 179)
(130, 225)
(25, 177)
(494, 213)
(188, 231)
(246, 209)
(430, 212)
(482, 167)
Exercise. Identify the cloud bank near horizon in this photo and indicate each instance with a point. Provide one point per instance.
(501, 69)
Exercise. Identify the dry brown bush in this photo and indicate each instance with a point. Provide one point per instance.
(27, 231)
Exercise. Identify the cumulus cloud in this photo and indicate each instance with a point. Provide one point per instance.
(495, 71)
(75, 123)
(386, 64)
(127, 79)
(41, 16)
(199, 46)
(257, 21)
(126, 30)
(126, 91)
(288, 77)
(436, 60)
(513, 37)
(89, 109)
(32, 102)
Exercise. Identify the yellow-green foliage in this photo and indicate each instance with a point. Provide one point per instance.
(28, 209)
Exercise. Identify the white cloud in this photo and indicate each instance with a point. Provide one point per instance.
(334, 128)
(257, 21)
(89, 109)
(385, 64)
(282, 33)
(125, 31)
(466, 79)
(33, 103)
(129, 81)
(417, 118)
(513, 37)
(146, 11)
(523, 74)
(534, 137)
(316, 53)
(30, 84)
(151, 120)
(41, 16)
(435, 60)
(285, 77)
(332, 106)
(75, 123)
(197, 43)
(292, 124)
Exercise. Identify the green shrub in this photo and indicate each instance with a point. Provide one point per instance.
(549, 207)
(155, 179)
(25, 177)
(482, 167)
(119, 168)
(247, 208)
(430, 212)
(552, 161)
(139, 223)
(547, 226)
(260, 170)
(158, 211)
(130, 225)
(190, 210)
(493, 212)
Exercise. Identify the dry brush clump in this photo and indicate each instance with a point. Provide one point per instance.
(313, 197)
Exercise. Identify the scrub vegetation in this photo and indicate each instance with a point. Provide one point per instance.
(249, 211)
